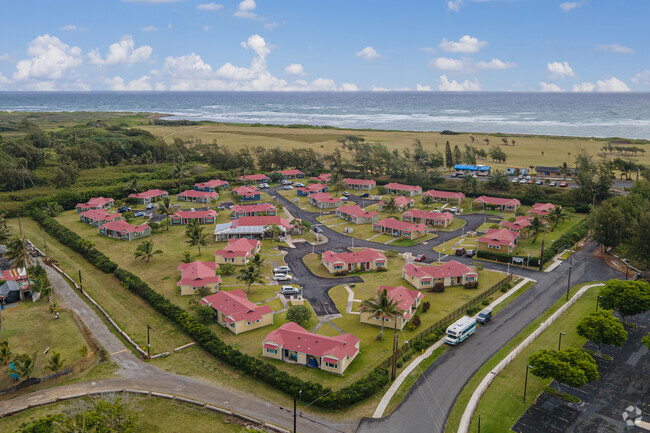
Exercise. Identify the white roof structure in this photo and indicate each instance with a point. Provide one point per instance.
(226, 229)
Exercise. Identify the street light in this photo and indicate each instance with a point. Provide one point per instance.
(528, 367)
(597, 302)
(559, 343)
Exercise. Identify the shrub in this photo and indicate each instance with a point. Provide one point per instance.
(341, 273)
(299, 314)
(471, 285)
(480, 267)
(486, 302)
(416, 321)
(438, 288)
(473, 310)
(391, 253)
(425, 306)
(381, 190)
(226, 269)
(382, 269)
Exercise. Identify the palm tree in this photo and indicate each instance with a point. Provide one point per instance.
(196, 236)
(53, 209)
(536, 225)
(85, 245)
(5, 352)
(383, 307)
(250, 275)
(55, 363)
(426, 200)
(564, 169)
(18, 253)
(24, 365)
(557, 214)
(166, 209)
(187, 257)
(273, 230)
(179, 171)
(390, 206)
(134, 183)
(257, 261)
(145, 251)
(4, 230)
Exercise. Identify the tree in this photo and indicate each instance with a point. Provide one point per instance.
(628, 298)
(426, 200)
(128, 216)
(55, 363)
(257, 261)
(19, 253)
(390, 205)
(499, 180)
(456, 155)
(5, 352)
(646, 340)
(299, 314)
(53, 209)
(145, 251)
(383, 307)
(449, 159)
(471, 186)
(196, 236)
(187, 257)
(179, 171)
(556, 215)
(250, 275)
(24, 365)
(226, 269)
(602, 328)
(570, 366)
(639, 235)
(608, 225)
(5, 232)
(536, 225)
(274, 230)
(165, 208)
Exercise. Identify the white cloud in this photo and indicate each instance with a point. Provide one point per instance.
(454, 86)
(466, 44)
(295, 69)
(323, 84)
(245, 10)
(549, 87)
(447, 64)
(150, 29)
(210, 7)
(72, 28)
(421, 88)
(567, 6)
(368, 53)
(160, 87)
(270, 26)
(232, 72)
(454, 5)
(207, 28)
(6, 58)
(612, 84)
(49, 58)
(349, 87)
(557, 69)
(584, 87)
(4, 80)
(642, 78)
(117, 83)
(495, 64)
(122, 52)
(616, 48)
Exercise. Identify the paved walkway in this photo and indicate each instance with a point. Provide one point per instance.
(351, 300)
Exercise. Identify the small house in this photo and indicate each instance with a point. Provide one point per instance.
(445, 196)
(238, 251)
(407, 301)
(214, 185)
(356, 214)
(360, 184)
(149, 196)
(120, 229)
(247, 193)
(401, 189)
(95, 203)
(364, 260)
(97, 217)
(399, 229)
(401, 202)
(451, 273)
(236, 313)
(429, 218)
(498, 203)
(238, 211)
(198, 274)
(498, 240)
(198, 196)
(184, 217)
(324, 200)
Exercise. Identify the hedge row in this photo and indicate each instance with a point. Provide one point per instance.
(210, 342)
(505, 258)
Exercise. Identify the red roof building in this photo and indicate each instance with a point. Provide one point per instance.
(445, 196)
(407, 301)
(120, 229)
(324, 200)
(399, 188)
(356, 214)
(95, 203)
(149, 196)
(450, 273)
(292, 174)
(363, 184)
(292, 343)
(98, 217)
(504, 204)
(255, 178)
(211, 185)
(400, 229)
(247, 193)
(198, 274)
(401, 202)
(541, 209)
(238, 211)
(518, 226)
(186, 216)
(238, 251)
(323, 177)
(198, 196)
(498, 240)
(364, 260)
(311, 188)
(430, 218)
(237, 313)
(261, 221)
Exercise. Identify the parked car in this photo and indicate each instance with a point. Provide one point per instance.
(345, 197)
(123, 209)
(150, 206)
(552, 184)
(300, 184)
(281, 270)
(470, 253)
(139, 214)
(563, 184)
(540, 182)
(515, 180)
(285, 182)
(346, 194)
(282, 277)
(460, 251)
(420, 258)
(454, 209)
(475, 176)
(266, 185)
(287, 187)
(454, 175)
(318, 230)
(290, 290)
(461, 176)
(484, 316)
(364, 195)
(529, 181)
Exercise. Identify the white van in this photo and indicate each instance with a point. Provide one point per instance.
(460, 330)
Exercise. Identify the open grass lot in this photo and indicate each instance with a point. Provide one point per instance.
(30, 328)
(526, 245)
(502, 404)
(157, 415)
(302, 203)
(365, 232)
(450, 246)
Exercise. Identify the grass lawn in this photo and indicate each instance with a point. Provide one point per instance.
(450, 246)
(359, 231)
(156, 415)
(302, 203)
(502, 404)
(526, 245)
(455, 225)
(30, 328)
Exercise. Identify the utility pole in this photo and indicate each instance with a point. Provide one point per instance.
(149, 350)
(44, 242)
(541, 255)
(568, 285)
(559, 343)
(81, 287)
(393, 372)
(528, 367)
(294, 414)
(479, 423)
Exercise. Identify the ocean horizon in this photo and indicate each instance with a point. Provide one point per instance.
(625, 115)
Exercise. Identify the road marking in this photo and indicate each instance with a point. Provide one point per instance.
(115, 353)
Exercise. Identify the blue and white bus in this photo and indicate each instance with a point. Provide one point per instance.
(460, 330)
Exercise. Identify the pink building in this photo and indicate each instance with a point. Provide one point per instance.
(364, 260)
(399, 188)
(362, 184)
(519, 226)
(450, 273)
(198, 274)
(236, 313)
(399, 229)
(498, 240)
(445, 196)
(120, 229)
(211, 185)
(198, 196)
(97, 217)
(324, 200)
(356, 214)
(407, 301)
(149, 196)
(401, 202)
(429, 218)
(238, 251)
(186, 216)
(541, 209)
(503, 204)
(95, 203)
(238, 211)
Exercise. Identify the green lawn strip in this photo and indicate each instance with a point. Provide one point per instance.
(450, 246)
(156, 415)
(526, 245)
(511, 298)
(456, 224)
(571, 339)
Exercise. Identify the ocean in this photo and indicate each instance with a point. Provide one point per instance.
(573, 114)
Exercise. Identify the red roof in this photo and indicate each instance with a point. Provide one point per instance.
(196, 214)
(238, 247)
(100, 214)
(359, 181)
(254, 177)
(401, 201)
(401, 187)
(292, 336)
(499, 237)
(520, 223)
(312, 188)
(150, 193)
(444, 194)
(363, 256)
(497, 201)
(192, 193)
(357, 211)
(235, 306)
(96, 202)
(17, 274)
(260, 221)
(394, 224)
(405, 297)
(264, 207)
(198, 274)
(428, 215)
(324, 197)
(123, 226)
(214, 183)
(323, 177)
(451, 268)
(542, 208)
(245, 190)
(291, 172)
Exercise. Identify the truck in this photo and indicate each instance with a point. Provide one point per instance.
(460, 330)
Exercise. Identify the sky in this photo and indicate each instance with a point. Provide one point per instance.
(337, 45)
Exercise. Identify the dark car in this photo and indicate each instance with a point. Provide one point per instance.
(365, 195)
(460, 251)
(318, 230)
(123, 209)
(484, 316)
(420, 258)
(470, 253)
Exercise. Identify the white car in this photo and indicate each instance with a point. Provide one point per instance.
(344, 198)
(300, 184)
(282, 277)
(290, 290)
(523, 181)
(281, 270)
(261, 186)
(287, 187)
(454, 209)
(515, 180)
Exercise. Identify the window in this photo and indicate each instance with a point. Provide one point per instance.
(426, 282)
(273, 351)
(331, 365)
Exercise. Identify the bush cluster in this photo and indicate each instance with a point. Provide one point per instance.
(471, 285)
